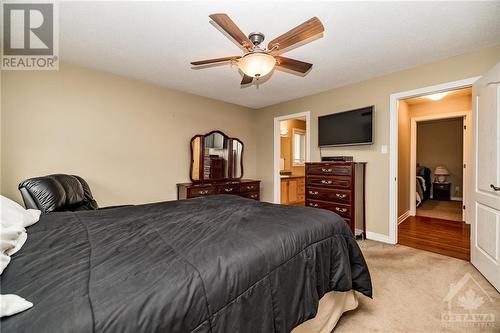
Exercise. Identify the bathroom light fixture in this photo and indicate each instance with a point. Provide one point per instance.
(438, 96)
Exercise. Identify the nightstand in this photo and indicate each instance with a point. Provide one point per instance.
(441, 191)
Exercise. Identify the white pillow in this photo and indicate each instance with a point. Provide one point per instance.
(11, 213)
(13, 220)
(12, 304)
(12, 239)
(4, 261)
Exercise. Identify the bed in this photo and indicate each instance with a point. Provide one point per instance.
(215, 264)
(423, 185)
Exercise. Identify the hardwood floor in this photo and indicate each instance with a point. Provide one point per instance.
(441, 209)
(450, 238)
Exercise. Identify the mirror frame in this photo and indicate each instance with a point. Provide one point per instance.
(241, 158)
(201, 154)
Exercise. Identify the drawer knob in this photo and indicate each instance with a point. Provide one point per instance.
(326, 181)
(342, 210)
(203, 192)
(326, 170)
(313, 192)
(253, 196)
(313, 204)
(230, 189)
(249, 187)
(342, 196)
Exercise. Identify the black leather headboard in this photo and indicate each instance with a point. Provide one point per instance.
(57, 193)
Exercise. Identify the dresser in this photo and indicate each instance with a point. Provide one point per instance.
(247, 188)
(340, 188)
(217, 168)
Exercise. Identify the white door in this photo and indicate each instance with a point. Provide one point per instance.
(485, 242)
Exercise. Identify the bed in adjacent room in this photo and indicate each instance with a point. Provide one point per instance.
(214, 264)
(423, 185)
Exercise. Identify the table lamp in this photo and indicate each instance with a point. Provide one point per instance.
(441, 172)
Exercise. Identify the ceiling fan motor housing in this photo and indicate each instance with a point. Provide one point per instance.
(256, 38)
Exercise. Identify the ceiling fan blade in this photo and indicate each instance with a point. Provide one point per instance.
(246, 79)
(306, 30)
(214, 60)
(292, 64)
(232, 29)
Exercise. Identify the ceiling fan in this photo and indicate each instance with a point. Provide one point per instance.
(257, 61)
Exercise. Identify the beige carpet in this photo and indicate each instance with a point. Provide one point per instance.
(410, 287)
(447, 210)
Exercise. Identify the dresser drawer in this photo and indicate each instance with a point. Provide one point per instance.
(251, 195)
(228, 189)
(341, 196)
(438, 186)
(341, 209)
(200, 191)
(329, 169)
(249, 187)
(330, 182)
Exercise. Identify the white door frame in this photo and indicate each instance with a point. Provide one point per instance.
(393, 141)
(465, 154)
(277, 148)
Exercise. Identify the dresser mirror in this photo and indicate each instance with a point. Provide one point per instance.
(237, 157)
(216, 157)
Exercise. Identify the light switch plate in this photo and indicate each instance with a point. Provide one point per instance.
(383, 149)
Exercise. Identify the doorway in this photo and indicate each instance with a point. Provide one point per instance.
(439, 159)
(291, 152)
(433, 150)
(483, 199)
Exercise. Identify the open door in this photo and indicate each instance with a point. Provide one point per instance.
(485, 214)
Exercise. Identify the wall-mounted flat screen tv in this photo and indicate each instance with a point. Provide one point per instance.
(347, 128)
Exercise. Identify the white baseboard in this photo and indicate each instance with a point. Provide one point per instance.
(378, 237)
(404, 216)
(456, 199)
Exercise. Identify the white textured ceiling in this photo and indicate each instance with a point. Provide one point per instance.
(155, 41)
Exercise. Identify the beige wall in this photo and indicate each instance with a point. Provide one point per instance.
(130, 139)
(441, 143)
(371, 92)
(287, 144)
(127, 138)
(404, 127)
(405, 113)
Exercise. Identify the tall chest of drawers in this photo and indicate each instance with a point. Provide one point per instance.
(340, 188)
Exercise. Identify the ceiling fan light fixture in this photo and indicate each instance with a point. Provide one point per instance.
(257, 64)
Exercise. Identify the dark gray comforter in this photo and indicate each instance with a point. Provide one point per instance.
(214, 264)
